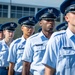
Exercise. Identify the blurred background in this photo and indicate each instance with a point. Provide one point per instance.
(12, 10)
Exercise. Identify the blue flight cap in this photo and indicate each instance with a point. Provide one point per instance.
(9, 26)
(67, 6)
(40, 29)
(1, 29)
(27, 21)
(62, 26)
(50, 13)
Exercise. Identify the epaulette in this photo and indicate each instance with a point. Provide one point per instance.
(58, 33)
(16, 41)
(34, 35)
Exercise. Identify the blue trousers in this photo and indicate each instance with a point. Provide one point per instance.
(3, 71)
(18, 73)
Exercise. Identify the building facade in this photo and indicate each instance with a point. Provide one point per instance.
(20, 8)
(12, 10)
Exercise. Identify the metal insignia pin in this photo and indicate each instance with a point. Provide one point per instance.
(50, 10)
(30, 18)
(12, 25)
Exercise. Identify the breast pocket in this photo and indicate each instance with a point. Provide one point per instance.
(4, 53)
(39, 50)
(66, 61)
(68, 56)
(20, 53)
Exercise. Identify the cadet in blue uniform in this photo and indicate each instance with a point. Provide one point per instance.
(1, 32)
(59, 58)
(8, 31)
(17, 46)
(36, 44)
(62, 26)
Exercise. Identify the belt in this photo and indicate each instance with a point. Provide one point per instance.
(18, 73)
(6, 68)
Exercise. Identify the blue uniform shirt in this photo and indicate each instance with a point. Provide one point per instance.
(60, 53)
(15, 53)
(4, 49)
(34, 52)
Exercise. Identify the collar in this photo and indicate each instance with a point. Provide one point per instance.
(69, 33)
(43, 37)
(23, 39)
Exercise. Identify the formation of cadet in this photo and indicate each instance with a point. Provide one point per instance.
(46, 52)
(8, 32)
(36, 44)
(17, 46)
(59, 58)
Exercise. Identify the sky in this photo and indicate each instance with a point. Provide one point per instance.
(53, 3)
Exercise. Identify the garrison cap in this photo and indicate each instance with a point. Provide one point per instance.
(47, 13)
(9, 26)
(28, 21)
(1, 29)
(67, 6)
(62, 26)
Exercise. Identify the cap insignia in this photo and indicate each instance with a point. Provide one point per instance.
(30, 18)
(12, 25)
(50, 10)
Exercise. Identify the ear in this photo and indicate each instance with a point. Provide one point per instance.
(66, 18)
(22, 27)
(40, 23)
(3, 31)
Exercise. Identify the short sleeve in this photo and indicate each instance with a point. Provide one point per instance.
(50, 56)
(28, 52)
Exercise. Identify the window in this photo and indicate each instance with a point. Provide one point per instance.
(3, 10)
(19, 12)
(32, 11)
(13, 11)
(39, 9)
(16, 11)
(26, 11)
(0, 10)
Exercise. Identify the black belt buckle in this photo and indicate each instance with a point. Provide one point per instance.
(6, 68)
